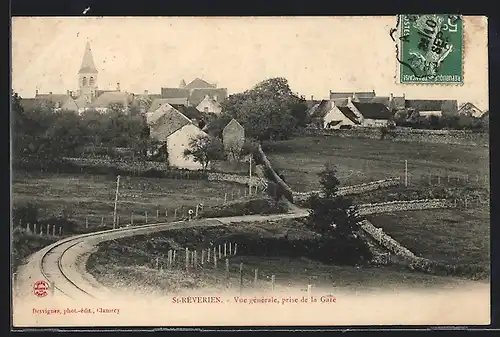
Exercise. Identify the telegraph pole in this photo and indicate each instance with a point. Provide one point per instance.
(250, 177)
(116, 200)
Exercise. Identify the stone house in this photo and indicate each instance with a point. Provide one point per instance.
(233, 139)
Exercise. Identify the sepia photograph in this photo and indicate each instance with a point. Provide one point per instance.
(250, 171)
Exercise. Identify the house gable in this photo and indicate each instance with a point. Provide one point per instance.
(153, 117)
(209, 105)
(198, 83)
(168, 123)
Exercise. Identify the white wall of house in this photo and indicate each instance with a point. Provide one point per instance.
(209, 106)
(430, 113)
(368, 122)
(178, 142)
(334, 114)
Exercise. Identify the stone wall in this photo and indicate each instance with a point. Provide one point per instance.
(399, 206)
(356, 189)
(460, 137)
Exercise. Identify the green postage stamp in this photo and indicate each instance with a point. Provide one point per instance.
(430, 49)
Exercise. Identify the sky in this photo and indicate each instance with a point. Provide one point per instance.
(315, 54)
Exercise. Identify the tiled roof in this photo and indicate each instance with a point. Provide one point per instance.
(81, 102)
(341, 101)
(182, 101)
(197, 95)
(379, 99)
(322, 109)
(312, 109)
(112, 97)
(153, 116)
(359, 94)
(174, 93)
(199, 83)
(168, 123)
(100, 92)
(54, 98)
(349, 114)
(156, 103)
(373, 110)
(190, 112)
(210, 100)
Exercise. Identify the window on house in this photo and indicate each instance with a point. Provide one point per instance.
(84, 81)
(91, 81)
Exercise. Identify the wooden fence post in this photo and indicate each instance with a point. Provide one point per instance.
(60, 231)
(157, 215)
(195, 262)
(28, 228)
(157, 263)
(202, 256)
(169, 259)
(48, 229)
(230, 248)
(87, 222)
(132, 218)
(309, 292)
(187, 258)
(227, 268)
(102, 221)
(175, 213)
(53, 230)
(215, 259)
(220, 252)
(225, 252)
(146, 214)
(208, 255)
(34, 228)
(225, 197)
(235, 247)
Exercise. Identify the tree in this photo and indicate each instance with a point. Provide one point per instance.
(204, 149)
(331, 214)
(268, 111)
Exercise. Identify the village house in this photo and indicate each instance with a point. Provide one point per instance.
(427, 108)
(175, 131)
(194, 92)
(233, 139)
(59, 102)
(371, 114)
(328, 115)
(209, 105)
(469, 109)
(105, 100)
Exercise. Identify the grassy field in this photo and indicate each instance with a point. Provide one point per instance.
(91, 197)
(131, 263)
(362, 160)
(451, 236)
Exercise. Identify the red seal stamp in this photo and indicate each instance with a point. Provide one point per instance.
(41, 288)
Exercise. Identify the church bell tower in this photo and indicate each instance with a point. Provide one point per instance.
(87, 75)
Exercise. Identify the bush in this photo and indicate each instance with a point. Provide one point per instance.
(247, 207)
(22, 215)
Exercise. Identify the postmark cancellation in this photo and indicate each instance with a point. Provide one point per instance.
(430, 49)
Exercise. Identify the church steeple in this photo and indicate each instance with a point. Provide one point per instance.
(88, 65)
(87, 75)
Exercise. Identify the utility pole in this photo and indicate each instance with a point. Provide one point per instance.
(250, 177)
(406, 173)
(116, 200)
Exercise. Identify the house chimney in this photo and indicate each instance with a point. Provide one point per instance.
(391, 96)
(146, 92)
(206, 97)
(215, 98)
(67, 92)
(404, 96)
(50, 92)
(118, 86)
(312, 98)
(349, 100)
(36, 92)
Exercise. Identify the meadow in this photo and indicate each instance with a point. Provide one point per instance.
(452, 236)
(131, 263)
(90, 198)
(360, 160)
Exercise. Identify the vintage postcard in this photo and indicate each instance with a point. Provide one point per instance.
(250, 171)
